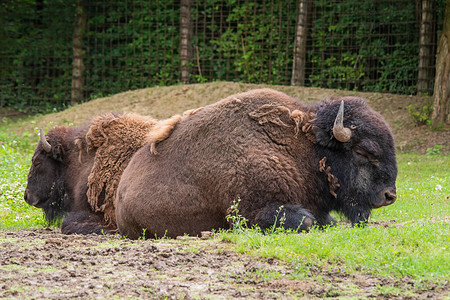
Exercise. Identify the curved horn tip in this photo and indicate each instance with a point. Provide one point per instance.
(341, 108)
(46, 145)
(341, 133)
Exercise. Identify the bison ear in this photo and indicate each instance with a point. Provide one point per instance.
(57, 153)
(324, 137)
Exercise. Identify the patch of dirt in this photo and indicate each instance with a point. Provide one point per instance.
(44, 264)
(163, 102)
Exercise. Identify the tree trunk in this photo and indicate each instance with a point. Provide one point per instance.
(301, 34)
(425, 76)
(78, 53)
(440, 115)
(185, 37)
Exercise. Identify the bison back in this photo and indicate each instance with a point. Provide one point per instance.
(212, 158)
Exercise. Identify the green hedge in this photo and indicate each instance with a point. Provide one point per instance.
(357, 45)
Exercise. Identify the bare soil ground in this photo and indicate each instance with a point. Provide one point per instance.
(163, 102)
(44, 264)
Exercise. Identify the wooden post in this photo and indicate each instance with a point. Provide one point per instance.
(78, 53)
(185, 37)
(440, 115)
(426, 57)
(301, 34)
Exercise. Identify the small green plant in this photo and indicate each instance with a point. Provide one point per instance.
(238, 222)
(279, 222)
(421, 115)
(200, 79)
(436, 150)
(142, 237)
(163, 237)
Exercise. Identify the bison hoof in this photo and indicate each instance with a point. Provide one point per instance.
(83, 223)
(287, 216)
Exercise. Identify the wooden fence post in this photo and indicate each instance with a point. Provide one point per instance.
(301, 35)
(426, 57)
(78, 53)
(185, 37)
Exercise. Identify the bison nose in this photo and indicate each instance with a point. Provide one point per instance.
(27, 198)
(390, 195)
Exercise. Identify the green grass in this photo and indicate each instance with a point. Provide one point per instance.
(414, 243)
(15, 161)
(418, 250)
(423, 186)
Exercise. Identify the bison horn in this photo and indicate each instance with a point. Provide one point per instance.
(46, 145)
(341, 133)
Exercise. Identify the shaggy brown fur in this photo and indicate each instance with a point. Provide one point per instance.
(332, 180)
(270, 113)
(163, 128)
(204, 144)
(161, 131)
(115, 138)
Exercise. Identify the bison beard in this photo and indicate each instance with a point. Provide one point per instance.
(267, 149)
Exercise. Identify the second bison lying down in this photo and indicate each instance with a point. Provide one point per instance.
(268, 150)
(75, 170)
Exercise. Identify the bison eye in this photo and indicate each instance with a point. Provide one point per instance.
(361, 152)
(366, 156)
(36, 161)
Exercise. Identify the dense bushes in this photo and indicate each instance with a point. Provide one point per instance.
(365, 45)
(358, 45)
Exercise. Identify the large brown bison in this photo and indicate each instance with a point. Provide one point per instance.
(268, 150)
(75, 170)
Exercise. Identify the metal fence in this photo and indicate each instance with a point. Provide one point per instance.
(49, 49)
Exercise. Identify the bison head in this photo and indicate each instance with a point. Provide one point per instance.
(45, 188)
(359, 149)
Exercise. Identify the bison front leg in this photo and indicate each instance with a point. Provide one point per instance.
(288, 216)
(84, 222)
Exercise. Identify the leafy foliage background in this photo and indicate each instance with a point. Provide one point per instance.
(357, 45)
